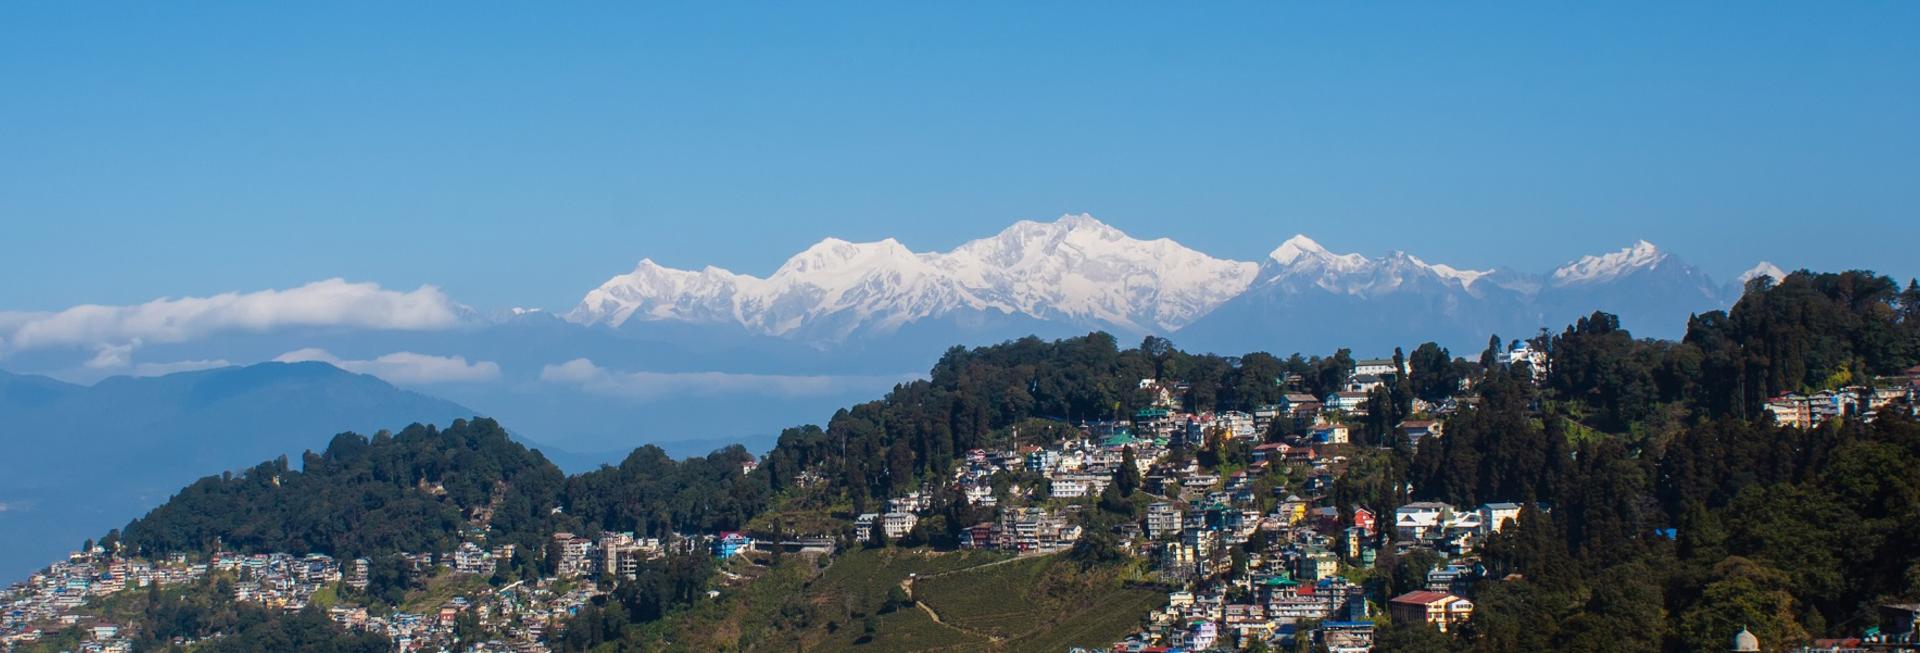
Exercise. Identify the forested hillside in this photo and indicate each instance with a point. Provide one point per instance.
(417, 490)
(881, 447)
(1678, 508)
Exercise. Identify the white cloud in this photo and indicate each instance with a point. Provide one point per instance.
(654, 385)
(333, 302)
(578, 370)
(163, 369)
(112, 357)
(404, 366)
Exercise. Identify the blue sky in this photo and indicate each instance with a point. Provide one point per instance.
(518, 155)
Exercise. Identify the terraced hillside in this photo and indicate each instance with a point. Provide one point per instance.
(915, 601)
(1039, 604)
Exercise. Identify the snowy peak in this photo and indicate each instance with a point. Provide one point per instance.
(1601, 268)
(1080, 269)
(1300, 262)
(1296, 248)
(1075, 268)
(1465, 277)
(1764, 269)
(1083, 222)
(1301, 251)
(656, 292)
(832, 254)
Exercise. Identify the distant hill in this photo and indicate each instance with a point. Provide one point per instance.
(81, 460)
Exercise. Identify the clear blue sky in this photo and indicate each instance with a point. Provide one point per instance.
(518, 154)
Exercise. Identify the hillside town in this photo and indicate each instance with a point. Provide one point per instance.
(522, 613)
(1296, 582)
(1301, 582)
(1249, 561)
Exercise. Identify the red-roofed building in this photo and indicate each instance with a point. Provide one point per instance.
(1445, 611)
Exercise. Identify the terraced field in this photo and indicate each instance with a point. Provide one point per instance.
(963, 602)
(1040, 604)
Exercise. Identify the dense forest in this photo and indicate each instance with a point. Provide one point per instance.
(881, 448)
(1678, 511)
(420, 489)
(1677, 507)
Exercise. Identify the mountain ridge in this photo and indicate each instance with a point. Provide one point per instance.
(92, 457)
(1081, 272)
(1075, 269)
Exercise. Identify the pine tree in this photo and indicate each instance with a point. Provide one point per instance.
(1491, 357)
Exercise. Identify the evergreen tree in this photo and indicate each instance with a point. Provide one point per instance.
(1127, 477)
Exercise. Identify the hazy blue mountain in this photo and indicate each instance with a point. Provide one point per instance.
(1651, 290)
(83, 459)
(1310, 300)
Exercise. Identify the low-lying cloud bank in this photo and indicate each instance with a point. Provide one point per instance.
(163, 369)
(586, 375)
(404, 367)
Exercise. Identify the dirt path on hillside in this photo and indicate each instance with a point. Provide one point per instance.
(906, 585)
(995, 563)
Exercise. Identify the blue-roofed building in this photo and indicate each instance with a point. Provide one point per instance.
(731, 544)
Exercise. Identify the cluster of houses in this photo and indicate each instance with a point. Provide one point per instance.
(1292, 588)
(1288, 583)
(49, 600)
(521, 613)
(524, 613)
(280, 580)
(1443, 528)
(1023, 530)
(1276, 568)
(1861, 402)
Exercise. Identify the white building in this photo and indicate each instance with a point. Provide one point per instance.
(894, 524)
(1414, 520)
(1525, 353)
(1068, 487)
(1346, 400)
(1495, 516)
(1376, 367)
(1074, 486)
(1237, 424)
(1162, 519)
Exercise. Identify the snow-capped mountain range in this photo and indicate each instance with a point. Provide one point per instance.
(1075, 269)
(1080, 273)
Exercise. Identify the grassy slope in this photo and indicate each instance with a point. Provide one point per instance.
(797, 606)
(988, 602)
(442, 587)
(1043, 604)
